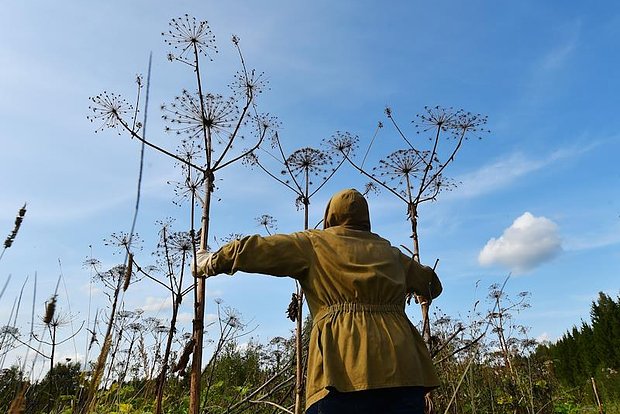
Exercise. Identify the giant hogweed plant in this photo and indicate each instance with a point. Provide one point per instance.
(415, 174)
(209, 122)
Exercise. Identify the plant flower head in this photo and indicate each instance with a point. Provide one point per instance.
(310, 160)
(109, 109)
(191, 115)
(187, 35)
(435, 118)
(399, 168)
(343, 142)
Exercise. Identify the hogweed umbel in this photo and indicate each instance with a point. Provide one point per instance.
(188, 36)
(191, 115)
(399, 169)
(109, 109)
(308, 161)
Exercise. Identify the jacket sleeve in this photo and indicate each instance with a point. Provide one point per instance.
(421, 280)
(277, 255)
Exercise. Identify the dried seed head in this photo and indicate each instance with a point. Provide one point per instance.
(191, 114)
(313, 161)
(268, 222)
(267, 125)
(343, 142)
(231, 237)
(249, 84)
(18, 222)
(189, 36)
(293, 307)
(50, 309)
(436, 117)
(399, 170)
(109, 109)
(124, 241)
(184, 359)
(371, 188)
(128, 272)
(250, 160)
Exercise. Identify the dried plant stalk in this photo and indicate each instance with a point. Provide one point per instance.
(50, 309)
(18, 222)
(128, 272)
(97, 374)
(18, 405)
(184, 359)
(11, 237)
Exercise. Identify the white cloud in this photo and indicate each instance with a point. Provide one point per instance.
(595, 240)
(543, 337)
(153, 304)
(185, 317)
(527, 243)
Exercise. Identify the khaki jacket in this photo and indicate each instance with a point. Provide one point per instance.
(355, 284)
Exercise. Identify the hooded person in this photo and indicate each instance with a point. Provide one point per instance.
(365, 356)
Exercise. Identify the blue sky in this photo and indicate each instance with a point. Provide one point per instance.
(539, 195)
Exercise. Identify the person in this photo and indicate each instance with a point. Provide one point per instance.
(364, 356)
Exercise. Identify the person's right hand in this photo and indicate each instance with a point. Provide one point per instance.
(202, 267)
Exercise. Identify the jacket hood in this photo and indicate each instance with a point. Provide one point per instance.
(347, 208)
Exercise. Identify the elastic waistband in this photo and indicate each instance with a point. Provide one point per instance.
(355, 307)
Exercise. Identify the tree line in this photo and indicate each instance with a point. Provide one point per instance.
(588, 356)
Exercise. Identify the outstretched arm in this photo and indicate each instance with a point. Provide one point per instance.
(277, 255)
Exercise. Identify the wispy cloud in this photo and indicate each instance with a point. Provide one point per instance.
(505, 171)
(496, 175)
(527, 243)
(556, 57)
(590, 241)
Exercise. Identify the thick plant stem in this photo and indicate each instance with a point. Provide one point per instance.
(426, 326)
(199, 306)
(299, 380)
(161, 380)
(299, 349)
(424, 305)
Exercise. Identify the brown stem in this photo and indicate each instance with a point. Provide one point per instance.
(158, 148)
(199, 306)
(299, 380)
(161, 380)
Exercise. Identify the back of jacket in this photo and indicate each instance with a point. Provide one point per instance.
(355, 284)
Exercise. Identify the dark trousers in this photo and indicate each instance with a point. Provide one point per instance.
(402, 400)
